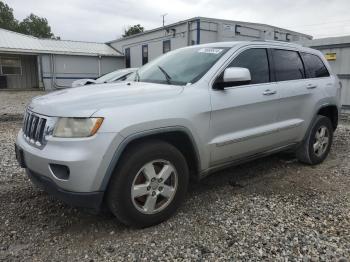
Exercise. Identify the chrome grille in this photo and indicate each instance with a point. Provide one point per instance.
(34, 128)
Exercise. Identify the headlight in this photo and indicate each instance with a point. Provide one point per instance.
(77, 127)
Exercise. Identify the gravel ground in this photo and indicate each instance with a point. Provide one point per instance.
(271, 209)
(12, 103)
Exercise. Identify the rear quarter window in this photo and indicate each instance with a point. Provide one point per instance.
(314, 66)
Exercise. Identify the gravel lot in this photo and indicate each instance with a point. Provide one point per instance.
(12, 103)
(271, 209)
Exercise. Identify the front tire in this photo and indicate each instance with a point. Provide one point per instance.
(149, 184)
(317, 144)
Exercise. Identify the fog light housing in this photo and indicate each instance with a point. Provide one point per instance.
(60, 171)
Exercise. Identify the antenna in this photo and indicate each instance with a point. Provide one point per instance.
(163, 15)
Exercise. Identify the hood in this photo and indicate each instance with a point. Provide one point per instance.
(84, 101)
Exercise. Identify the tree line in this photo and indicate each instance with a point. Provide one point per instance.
(39, 26)
(31, 25)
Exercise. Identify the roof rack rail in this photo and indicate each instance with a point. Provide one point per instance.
(276, 42)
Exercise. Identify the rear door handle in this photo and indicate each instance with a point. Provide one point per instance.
(269, 92)
(311, 86)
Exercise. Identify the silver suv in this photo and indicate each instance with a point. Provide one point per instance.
(134, 146)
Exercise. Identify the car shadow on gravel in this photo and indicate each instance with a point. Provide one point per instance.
(261, 176)
(39, 209)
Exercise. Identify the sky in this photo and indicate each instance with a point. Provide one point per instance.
(105, 20)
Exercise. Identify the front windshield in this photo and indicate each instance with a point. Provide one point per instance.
(180, 67)
(110, 76)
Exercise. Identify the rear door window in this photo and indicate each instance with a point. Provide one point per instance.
(314, 66)
(288, 65)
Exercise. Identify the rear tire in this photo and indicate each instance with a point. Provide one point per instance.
(149, 184)
(317, 144)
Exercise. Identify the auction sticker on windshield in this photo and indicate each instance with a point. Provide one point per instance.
(214, 51)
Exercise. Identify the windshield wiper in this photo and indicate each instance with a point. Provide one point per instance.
(167, 76)
(137, 76)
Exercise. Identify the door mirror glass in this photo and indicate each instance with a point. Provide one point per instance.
(236, 74)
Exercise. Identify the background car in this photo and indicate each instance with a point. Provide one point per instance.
(118, 75)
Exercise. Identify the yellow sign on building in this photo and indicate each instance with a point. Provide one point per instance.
(331, 56)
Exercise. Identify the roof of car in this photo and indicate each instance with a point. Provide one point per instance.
(265, 42)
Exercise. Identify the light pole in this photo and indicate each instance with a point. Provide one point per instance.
(163, 15)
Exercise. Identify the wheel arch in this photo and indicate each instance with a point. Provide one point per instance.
(330, 111)
(178, 136)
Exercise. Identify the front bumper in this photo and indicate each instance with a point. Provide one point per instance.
(91, 200)
(86, 158)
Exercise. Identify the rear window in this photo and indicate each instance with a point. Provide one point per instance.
(314, 67)
(288, 65)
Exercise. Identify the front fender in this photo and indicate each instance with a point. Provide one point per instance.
(143, 134)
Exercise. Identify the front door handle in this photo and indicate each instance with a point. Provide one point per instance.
(311, 86)
(269, 92)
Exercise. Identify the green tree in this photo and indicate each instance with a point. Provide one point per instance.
(7, 20)
(132, 30)
(32, 25)
(35, 26)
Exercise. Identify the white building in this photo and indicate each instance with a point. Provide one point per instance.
(27, 62)
(141, 48)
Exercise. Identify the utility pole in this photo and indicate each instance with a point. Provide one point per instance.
(163, 15)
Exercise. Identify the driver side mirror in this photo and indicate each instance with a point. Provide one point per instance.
(237, 74)
(233, 76)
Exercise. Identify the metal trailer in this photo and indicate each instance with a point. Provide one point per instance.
(59, 71)
(28, 62)
(141, 48)
(337, 52)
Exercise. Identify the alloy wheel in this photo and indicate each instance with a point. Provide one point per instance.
(154, 186)
(321, 141)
